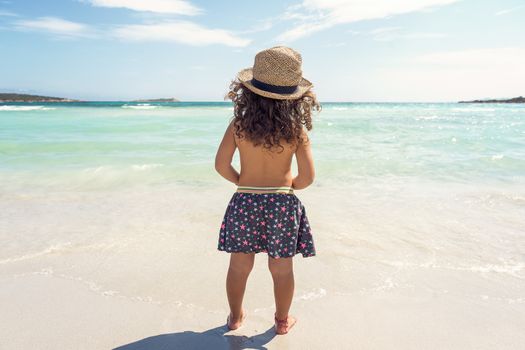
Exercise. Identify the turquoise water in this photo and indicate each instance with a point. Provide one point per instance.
(425, 201)
(106, 145)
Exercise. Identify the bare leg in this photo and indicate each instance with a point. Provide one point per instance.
(241, 265)
(283, 287)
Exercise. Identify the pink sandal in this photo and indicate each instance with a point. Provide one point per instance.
(283, 326)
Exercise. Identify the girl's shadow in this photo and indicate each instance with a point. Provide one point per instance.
(214, 338)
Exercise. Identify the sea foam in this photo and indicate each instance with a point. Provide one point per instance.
(144, 106)
(25, 108)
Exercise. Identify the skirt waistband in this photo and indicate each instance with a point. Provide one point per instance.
(265, 189)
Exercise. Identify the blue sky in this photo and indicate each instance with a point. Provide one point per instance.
(353, 50)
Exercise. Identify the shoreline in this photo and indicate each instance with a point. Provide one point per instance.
(110, 220)
(146, 274)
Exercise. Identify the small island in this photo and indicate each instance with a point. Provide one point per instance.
(11, 97)
(510, 100)
(169, 99)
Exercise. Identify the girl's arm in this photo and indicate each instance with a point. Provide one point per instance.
(305, 165)
(224, 156)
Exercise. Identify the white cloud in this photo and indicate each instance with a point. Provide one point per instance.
(423, 35)
(456, 75)
(184, 32)
(384, 30)
(8, 13)
(338, 44)
(182, 7)
(394, 33)
(55, 25)
(506, 11)
(317, 15)
(181, 31)
(509, 58)
(261, 26)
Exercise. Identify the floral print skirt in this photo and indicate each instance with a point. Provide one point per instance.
(269, 219)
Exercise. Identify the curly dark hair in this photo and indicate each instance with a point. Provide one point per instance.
(265, 121)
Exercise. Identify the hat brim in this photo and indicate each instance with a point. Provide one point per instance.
(245, 76)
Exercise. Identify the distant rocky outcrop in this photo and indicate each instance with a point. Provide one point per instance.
(510, 100)
(170, 99)
(10, 97)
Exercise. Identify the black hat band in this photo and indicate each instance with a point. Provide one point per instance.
(274, 88)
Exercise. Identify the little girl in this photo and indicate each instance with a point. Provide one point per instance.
(273, 104)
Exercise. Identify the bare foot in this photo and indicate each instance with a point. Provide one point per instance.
(234, 324)
(284, 325)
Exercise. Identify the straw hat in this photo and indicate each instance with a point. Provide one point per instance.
(277, 74)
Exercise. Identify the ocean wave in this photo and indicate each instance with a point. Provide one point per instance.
(96, 169)
(146, 166)
(473, 109)
(25, 108)
(93, 286)
(427, 117)
(513, 269)
(387, 284)
(52, 249)
(110, 168)
(140, 106)
(315, 294)
(66, 247)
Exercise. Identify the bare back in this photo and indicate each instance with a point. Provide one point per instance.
(264, 168)
(261, 167)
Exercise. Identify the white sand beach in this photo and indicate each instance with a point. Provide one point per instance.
(140, 270)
